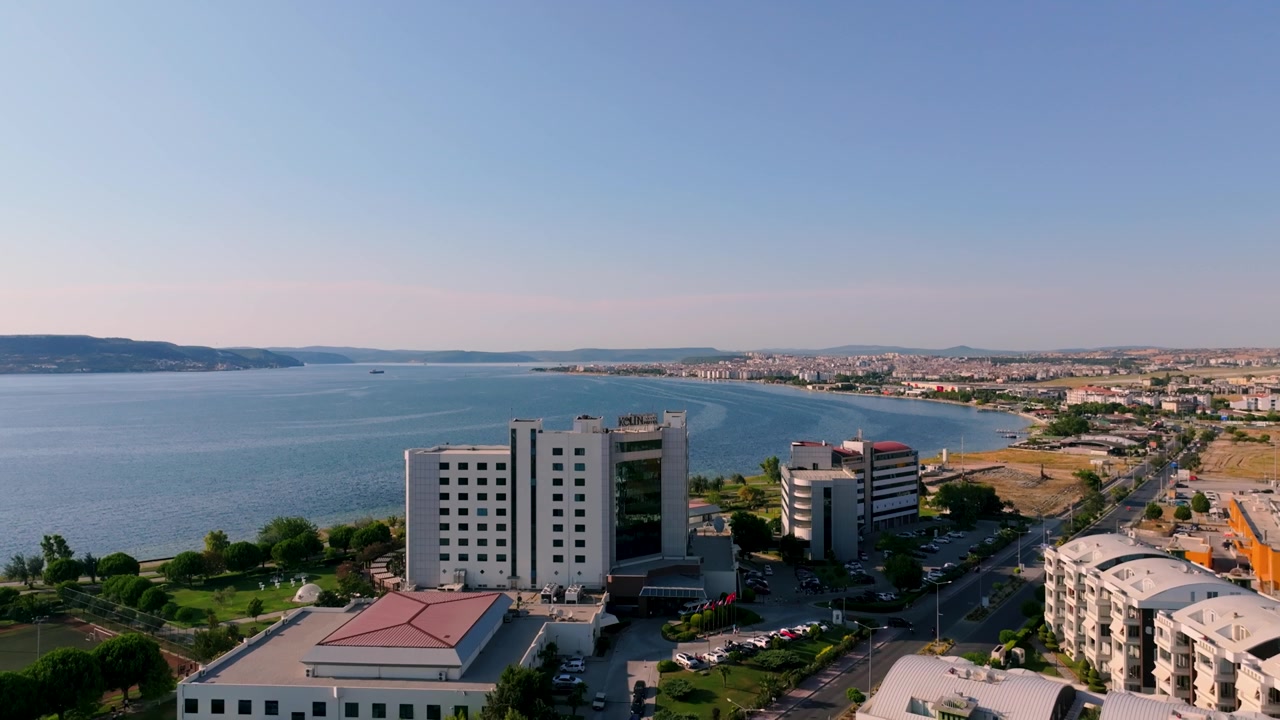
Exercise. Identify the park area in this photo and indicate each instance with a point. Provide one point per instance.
(740, 686)
(1227, 457)
(229, 595)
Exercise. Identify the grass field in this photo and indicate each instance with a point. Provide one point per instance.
(18, 643)
(246, 586)
(1017, 481)
(1244, 460)
(743, 684)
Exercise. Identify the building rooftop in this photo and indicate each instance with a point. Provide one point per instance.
(1148, 578)
(1239, 623)
(832, 474)
(917, 683)
(461, 449)
(1120, 705)
(716, 552)
(886, 446)
(415, 620)
(1259, 511)
(1094, 550)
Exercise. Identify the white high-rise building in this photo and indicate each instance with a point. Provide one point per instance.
(824, 486)
(550, 507)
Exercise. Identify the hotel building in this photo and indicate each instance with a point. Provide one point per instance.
(824, 485)
(551, 507)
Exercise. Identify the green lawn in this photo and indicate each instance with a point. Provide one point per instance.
(1036, 663)
(201, 596)
(743, 684)
(18, 644)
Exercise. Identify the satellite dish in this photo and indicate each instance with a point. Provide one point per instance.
(718, 524)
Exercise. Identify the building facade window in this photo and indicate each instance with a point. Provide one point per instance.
(217, 706)
(190, 705)
(579, 451)
(406, 711)
(271, 707)
(319, 709)
(378, 710)
(244, 707)
(352, 710)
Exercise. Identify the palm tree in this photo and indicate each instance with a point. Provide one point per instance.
(577, 696)
(725, 671)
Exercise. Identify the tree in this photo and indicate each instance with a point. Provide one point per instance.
(855, 696)
(739, 479)
(130, 659)
(255, 608)
(1153, 511)
(290, 553)
(525, 690)
(62, 570)
(35, 567)
(209, 644)
(214, 563)
(184, 568)
(216, 541)
(89, 563)
(1200, 503)
(1007, 636)
(791, 547)
(1091, 480)
(577, 696)
(751, 496)
(772, 468)
(966, 502)
(241, 556)
(19, 696)
(374, 534)
(66, 679)
(8, 595)
(224, 596)
(126, 589)
(16, 570)
(1068, 425)
(1182, 513)
(286, 528)
(153, 600)
(329, 598)
(118, 564)
(903, 571)
(340, 536)
(725, 671)
(1031, 608)
(54, 547)
(750, 532)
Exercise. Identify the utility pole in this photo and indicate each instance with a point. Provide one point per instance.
(870, 643)
(937, 609)
(39, 622)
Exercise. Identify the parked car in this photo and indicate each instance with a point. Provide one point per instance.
(761, 642)
(574, 665)
(942, 539)
(598, 702)
(897, 622)
(956, 534)
(862, 555)
(640, 689)
(565, 682)
(715, 657)
(768, 569)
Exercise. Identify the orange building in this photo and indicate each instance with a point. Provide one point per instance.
(1257, 537)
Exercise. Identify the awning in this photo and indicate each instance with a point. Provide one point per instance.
(607, 619)
(674, 587)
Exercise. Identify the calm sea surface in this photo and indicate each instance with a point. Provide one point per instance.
(149, 463)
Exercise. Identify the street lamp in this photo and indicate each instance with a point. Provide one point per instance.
(38, 622)
(870, 633)
(937, 606)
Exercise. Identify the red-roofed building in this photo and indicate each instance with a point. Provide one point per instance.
(824, 482)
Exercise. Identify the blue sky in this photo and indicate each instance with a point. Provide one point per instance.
(552, 175)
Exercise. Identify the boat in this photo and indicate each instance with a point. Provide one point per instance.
(376, 371)
(1012, 436)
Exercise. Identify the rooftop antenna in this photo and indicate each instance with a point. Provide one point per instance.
(859, 434)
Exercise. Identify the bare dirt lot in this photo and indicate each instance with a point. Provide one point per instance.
(1245, 460)
(1020, 479)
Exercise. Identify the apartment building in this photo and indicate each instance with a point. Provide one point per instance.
(1155, 624)
(825, 485)
(1255, 525)
(551, 507)
(1092, 394)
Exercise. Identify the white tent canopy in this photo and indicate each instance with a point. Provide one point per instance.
(307, 593)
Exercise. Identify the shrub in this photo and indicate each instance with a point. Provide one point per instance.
(169, 611)
(826, 655)
(189, 615)
(695, 620)
(666, 666)
(777, 659)
(117, 564)
(855, 696)
(687, 636)
(1007, 636)
(152, 600)
(667, 714)
(677, 688)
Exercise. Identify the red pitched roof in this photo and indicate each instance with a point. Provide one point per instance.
(414, 620)
(889, 446)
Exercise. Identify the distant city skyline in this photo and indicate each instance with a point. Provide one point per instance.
(508, 176)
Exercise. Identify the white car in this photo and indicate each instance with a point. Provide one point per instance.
(956, 534)
(565, 681)
(761, 642)
(684, 660)
(576, 665)
(716, 657)
(768, 569)
(942, 539)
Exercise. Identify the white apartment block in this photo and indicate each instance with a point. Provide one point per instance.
(1257, 403)
(1154, 624)
(824, 485)
(1092, 394)
(550, 507)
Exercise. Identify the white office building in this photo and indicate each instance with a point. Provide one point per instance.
(551, 507)
(1154, 624)
(824, 485)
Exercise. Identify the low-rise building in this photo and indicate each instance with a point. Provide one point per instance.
(1093, 394)
(1256, 535)
(950, 688)
(410, 655)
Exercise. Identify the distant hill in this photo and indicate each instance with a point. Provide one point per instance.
(582, 355)
(315, 358)
(85, 354)
(957, 351)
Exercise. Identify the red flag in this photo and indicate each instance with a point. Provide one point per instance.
(733, 596)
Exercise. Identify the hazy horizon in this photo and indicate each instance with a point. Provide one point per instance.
(509, 176)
